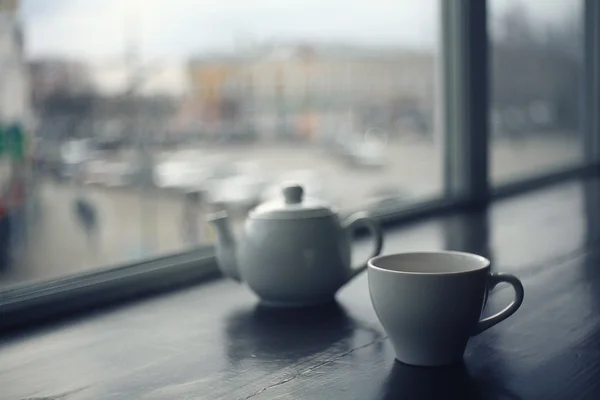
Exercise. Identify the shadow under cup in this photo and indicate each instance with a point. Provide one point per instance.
(430, 303)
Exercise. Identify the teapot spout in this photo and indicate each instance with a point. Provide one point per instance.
(226, 247)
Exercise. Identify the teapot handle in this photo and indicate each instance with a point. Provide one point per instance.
(361, 220)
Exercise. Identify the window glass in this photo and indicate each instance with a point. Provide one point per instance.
(537, 64)
(141, 117)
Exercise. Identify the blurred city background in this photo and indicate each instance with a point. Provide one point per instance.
(123, 122)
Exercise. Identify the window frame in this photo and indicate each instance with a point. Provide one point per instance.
(462, 120)
(464, 112)
(590, 128)
(591, 83)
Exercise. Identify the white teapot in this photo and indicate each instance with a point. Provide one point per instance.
(293, 251)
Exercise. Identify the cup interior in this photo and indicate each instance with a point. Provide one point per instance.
(443, 262)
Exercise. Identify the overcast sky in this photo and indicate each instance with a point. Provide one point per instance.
(179, 28)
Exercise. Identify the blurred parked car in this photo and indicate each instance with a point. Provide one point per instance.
(61, 159)
(46, 156)
(114, 173)
(236, 185)
(224, 184)
(359, 151)
(74, 154)
(181, 175)
(110, 143)
(367, 155)
(183, 171)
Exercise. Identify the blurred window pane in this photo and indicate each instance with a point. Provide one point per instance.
(537, 65)
(147, 115)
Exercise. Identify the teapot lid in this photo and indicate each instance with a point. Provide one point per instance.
(292, 205)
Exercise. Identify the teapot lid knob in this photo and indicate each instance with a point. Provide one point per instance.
(292, 205)
(293, 194)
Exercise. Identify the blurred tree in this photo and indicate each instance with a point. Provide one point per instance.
(533, 62)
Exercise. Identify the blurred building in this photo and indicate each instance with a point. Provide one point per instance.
(14, 95)
(301, 90)
(15, 121)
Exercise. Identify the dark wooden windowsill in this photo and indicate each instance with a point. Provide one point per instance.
(217, 342)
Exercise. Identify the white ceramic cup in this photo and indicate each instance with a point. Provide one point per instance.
(430, 303)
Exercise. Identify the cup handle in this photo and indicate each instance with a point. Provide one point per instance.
(358, 220)
(495, 279)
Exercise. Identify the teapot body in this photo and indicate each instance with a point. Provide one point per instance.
(295, 263)
(294, 251)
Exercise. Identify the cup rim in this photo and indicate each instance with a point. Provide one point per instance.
(485, 263)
